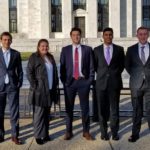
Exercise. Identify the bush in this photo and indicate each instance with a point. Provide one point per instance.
(25, 55)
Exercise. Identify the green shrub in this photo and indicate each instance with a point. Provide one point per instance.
(25, 55)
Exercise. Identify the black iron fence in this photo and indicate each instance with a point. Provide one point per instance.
(59, 109)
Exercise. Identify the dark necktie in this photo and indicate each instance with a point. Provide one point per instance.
(76, 64)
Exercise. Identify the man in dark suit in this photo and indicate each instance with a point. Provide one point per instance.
(77, 74)
(109, 64)
(138, 66)
(11, 77)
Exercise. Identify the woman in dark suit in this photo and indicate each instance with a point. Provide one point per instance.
(43, 78)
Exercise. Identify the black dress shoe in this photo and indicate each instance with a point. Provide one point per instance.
(133, 138)
(105, 137)
(46, 139)
(1, 139)
(115, 137)
(39, 141)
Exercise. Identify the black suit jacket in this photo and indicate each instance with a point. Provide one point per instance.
(109, 76)
(66, 64)
(14, 70)
(134, 66)
(37, 76)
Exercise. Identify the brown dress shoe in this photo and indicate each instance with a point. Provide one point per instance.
(68, 136)
(16, 141)
(88, 136)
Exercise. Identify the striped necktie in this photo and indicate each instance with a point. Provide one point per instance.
(143, 59)
(76, 64)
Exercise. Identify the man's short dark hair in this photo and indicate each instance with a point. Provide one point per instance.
(6, 34)
(142, 28)
(108, 29)
(76, 29)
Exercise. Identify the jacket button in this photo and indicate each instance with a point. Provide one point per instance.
(107, 75)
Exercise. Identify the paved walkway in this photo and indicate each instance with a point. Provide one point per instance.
(57, 130)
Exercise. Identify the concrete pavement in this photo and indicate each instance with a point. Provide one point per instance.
(57, 130)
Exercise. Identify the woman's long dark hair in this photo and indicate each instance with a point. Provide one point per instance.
(49, 55)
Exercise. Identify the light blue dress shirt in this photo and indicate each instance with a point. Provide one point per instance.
(49, 68)
(146, 50)
(6, 54)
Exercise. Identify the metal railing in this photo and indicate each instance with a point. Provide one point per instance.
(59, 109)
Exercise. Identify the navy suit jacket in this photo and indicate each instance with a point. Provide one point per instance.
(14, 70)
(66, 64)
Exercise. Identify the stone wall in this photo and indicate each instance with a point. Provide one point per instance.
(57, 44)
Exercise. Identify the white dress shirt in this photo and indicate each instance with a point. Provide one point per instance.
(80, 58)
(146, 50)
(6, 54)
(110, 50)
(49, 68)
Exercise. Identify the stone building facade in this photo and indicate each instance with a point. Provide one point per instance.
(30, 20)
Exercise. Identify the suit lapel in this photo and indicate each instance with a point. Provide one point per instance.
(82, 56)
(70, 56)
(114, 53)
(2, 58)
(136, 51)
(149, 55)
(11, 58)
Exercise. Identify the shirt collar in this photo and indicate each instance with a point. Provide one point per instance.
(146, 45)
(105, 46)
(76, 46)
(6, 51)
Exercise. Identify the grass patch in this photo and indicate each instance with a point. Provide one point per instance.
(25, 55)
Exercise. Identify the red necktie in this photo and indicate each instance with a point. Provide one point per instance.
(76, 64)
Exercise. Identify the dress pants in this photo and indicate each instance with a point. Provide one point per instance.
(137, 97)
(41, 121)
(108, 107)
(13, 100)
(82, 87)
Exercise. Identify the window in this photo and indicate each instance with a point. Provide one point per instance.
(103, 14)
(79, 4)
(146, 13)
(13, 16)
(56, 16)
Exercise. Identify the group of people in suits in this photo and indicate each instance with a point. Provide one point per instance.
(78, 64)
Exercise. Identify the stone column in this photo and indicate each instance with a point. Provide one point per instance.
(114, 16)
(4, 15)
(129, 18)
(91, 21)
(66, 17)
(139, 13)
(45, 15)
(34, 24)
(22, 16)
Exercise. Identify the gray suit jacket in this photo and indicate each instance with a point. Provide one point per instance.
(109, 76)
(14, 70)
(137, 71)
